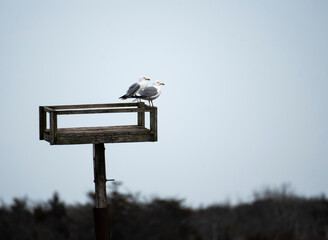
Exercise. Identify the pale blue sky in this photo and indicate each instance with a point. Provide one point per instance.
(245, 103)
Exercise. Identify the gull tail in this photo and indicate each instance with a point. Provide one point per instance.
(124, 97)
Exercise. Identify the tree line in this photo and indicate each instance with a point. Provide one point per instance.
(274, 214)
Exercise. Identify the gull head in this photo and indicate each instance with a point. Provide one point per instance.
(158, 83)
(142, 78)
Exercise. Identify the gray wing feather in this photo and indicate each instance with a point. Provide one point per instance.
(148, 92)
(133, 89)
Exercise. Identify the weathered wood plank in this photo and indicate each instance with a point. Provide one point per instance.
(116, 134)
(103, 110)
(125, 128)
(94, 139)
(101, 130)
(104, 105)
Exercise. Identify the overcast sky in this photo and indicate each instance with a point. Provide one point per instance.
(244, 105)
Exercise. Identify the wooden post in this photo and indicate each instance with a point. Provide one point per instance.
(153, 122)
(100, 175)
(43, 122)
(53, 127)
(100, 212)
(141, 115)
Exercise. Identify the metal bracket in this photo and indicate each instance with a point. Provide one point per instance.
(107, 180)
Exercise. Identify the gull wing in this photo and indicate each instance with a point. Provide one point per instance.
(148, 92)
(133, 89)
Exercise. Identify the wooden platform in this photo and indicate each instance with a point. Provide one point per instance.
(98, 134)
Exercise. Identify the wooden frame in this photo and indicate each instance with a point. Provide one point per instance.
(95, 135)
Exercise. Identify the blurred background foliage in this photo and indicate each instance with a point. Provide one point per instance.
(274, 213)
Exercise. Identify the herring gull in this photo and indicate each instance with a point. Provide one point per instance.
(150, 93)
(134, 88)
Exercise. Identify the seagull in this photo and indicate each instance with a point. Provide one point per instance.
(134, 88)
(150, 93)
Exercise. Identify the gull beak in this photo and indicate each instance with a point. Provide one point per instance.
(148, 79)
(161, 83)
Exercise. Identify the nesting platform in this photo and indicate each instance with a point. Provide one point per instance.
(95, 135)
